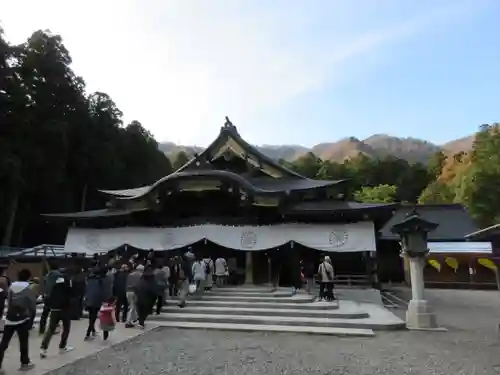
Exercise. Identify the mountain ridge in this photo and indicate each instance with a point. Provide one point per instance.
(376, 146)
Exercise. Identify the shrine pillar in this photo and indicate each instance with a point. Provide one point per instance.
(248, 267)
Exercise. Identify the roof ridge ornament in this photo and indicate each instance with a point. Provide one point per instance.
(229, 125)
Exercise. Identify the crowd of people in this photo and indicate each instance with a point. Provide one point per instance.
(119, 290)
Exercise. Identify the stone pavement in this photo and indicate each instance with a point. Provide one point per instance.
(470, 347)
(174, 351)
(55, 360)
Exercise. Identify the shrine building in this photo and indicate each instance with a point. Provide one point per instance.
(231, 200)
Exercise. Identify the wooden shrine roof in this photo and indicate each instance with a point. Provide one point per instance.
(453, 219)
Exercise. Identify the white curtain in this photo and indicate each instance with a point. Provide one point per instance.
(342, 238)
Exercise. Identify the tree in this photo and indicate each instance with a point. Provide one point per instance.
(180, 159)
(58, 146)
(335, 171)
(157, 165)
(376, 194)
(308, 165)
(436, 193)
(436, 163)
(483, 191)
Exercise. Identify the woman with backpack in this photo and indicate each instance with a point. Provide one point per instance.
(20, 312)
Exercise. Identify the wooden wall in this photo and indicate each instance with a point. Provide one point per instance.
(480, 277)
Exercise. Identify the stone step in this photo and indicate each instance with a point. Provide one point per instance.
(249, 287)
(248, 290)
(330, 331)
(270, 305)
(318, 317)
(295, 312)
(366, 323)
(171, 320)
(230, 298)
(239, 293)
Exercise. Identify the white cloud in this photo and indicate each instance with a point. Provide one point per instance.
(180, 66)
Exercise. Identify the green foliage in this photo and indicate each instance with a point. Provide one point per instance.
(482, 190)
(408, 179)
(436, 163)
(376, 194)
(180, 159)
(436, 193)
(308, 165)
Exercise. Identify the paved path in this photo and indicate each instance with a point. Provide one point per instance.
(55, 360)
(173, 351)
(470, 347)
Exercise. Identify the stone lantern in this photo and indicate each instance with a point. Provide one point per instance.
(413, 232)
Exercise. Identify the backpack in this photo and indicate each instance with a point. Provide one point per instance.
(207, 267)
(160, 278)
(17, 309)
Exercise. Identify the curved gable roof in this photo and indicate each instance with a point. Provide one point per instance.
(230, 131)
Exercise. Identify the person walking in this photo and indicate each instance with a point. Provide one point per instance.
(4, 291)
(59, 303)
(133, 280)
(185, 277)
(173, 279)
(209, 273)
(20, 312)
(161, 277)
(107, 319)
(120, 293)
(47, 284)
(220, 271)
(93, 300)
(199, 276)
(108, 281)
(146, 293)
(325, 278)
(78, 288)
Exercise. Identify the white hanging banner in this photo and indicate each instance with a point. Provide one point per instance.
(334, 237)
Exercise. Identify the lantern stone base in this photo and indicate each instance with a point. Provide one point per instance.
(420, 316)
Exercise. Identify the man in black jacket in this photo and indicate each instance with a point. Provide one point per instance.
(146, 292)
(59, 303)
(120, 292)
(78, 288)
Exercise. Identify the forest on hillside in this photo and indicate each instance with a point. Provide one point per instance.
(60, 144)
(469, 178)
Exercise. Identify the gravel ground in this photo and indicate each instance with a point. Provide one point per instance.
(470, 347)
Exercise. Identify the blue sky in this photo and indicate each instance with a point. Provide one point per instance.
(284, 71)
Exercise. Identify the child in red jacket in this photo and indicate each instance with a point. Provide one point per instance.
(107, 317)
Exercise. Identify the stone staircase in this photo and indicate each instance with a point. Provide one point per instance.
(262, 309)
